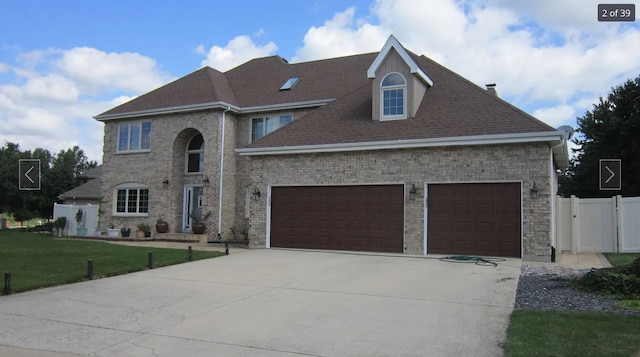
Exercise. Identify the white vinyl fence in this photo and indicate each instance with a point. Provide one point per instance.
(89, 218)
(604, 225)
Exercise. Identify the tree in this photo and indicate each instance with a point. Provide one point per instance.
(610, 131)
(59, 174)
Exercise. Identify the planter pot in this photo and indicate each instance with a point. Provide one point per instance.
(162, 227)
(125, 232)
(97, 233)
(139, 234)
(82, 231)
(243, 237)
(198, 228)
(113, 232)
(147, 234)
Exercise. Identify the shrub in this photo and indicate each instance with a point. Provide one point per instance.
(623, 280)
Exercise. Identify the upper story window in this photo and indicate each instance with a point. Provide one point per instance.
(134, 136)
(195, 154)
(131, 199)
(393, 101)
(263, 126)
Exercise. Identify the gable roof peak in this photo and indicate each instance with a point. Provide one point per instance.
(393, 43)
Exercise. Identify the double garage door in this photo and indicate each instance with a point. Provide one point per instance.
(475, 219)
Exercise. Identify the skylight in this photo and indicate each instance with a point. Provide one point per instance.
(290, 83)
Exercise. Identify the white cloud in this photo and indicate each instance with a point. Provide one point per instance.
(340, 36)
(97, 71)
(237, 51)
(556, 116)
(55, 94)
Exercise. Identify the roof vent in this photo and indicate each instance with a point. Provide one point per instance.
(491, 88)
(290, 83)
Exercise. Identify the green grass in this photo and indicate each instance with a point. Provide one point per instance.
(568, 333)
(621, 259)
(37, 261)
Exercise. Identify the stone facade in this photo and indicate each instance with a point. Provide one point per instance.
(524, 163)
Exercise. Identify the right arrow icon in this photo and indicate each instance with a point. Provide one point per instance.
(610, 174)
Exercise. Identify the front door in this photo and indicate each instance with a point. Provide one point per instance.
(192, 204)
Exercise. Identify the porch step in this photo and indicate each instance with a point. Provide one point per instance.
(179, 237)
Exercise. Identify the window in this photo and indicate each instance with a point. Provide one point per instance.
(393, 101)
(263, 126)
(290, 83)
(132, 199)
(195, 154)
(134, 136)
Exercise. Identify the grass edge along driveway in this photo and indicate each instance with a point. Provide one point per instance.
(37, 261)
(573, 333)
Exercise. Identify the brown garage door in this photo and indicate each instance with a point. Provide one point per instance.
(474, 219)
(363, 218)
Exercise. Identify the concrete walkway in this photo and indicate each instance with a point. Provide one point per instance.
(271, 303)
(577, 261)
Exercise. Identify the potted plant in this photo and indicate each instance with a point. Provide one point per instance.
(81, 230)
(144, 230)
(112, 232)
(198, 226)
(161, 225)
(59, 225)
(126, 232)
(240, 232)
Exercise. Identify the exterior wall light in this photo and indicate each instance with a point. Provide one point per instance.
(165, 181)
(256, 194)
(534, 191)
(412, 192)
(205, 180)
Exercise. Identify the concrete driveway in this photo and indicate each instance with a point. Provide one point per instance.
(271, 303)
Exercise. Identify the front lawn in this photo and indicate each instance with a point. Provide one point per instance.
(570, 333)
(37, 261)
(621, 259)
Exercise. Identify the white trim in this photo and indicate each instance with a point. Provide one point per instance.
(382, 91)
(268, 217)
(392, 42)
(216, 105)
(426, 211)
(550, 136)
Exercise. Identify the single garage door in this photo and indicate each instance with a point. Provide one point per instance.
(361, 218)
(474, 219)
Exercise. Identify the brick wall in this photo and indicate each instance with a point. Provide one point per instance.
(526, 163)
(169, 137)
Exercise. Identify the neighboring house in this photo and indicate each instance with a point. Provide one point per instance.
(387, 152)
(88, 192)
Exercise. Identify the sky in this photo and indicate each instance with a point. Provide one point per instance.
(63, 62)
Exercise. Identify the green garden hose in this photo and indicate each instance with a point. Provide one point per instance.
(472, 259)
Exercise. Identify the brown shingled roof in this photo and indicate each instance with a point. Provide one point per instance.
(205, 85)
(452, 107)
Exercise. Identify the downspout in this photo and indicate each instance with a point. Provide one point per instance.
(553, 200)
(221, 172)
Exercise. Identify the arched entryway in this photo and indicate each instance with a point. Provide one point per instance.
(188, 170)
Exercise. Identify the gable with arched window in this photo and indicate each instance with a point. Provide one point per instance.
(393, 95)
(195, 155)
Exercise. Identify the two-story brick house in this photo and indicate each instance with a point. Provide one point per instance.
(384, 151)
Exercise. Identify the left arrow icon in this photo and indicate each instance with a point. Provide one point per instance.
(26, 174)
(29, 178)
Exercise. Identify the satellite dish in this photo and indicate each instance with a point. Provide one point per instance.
(567, 131)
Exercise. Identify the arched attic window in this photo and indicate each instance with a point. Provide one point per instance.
(195, 154)
(394, 97)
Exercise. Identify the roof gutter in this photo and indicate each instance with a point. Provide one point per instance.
(553, 137)
(215, 105)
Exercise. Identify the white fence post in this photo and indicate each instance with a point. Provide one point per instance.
(575, 225)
